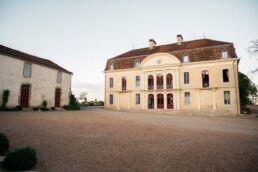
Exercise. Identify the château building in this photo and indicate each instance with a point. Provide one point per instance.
(197, 75)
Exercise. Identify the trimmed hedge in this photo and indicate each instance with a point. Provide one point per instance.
(4, 144)
(16, 108)
(20, 159)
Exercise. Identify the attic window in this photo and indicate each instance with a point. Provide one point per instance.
(111, 66)
(185, 58)
(224, 53)
(137, 63)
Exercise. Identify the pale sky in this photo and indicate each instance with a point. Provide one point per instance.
(82, 35)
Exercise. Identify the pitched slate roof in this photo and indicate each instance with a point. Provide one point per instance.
(31, 58)
(198, 50)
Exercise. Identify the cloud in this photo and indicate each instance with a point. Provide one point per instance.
(95, 91)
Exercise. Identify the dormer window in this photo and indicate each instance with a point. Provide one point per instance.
(137, 63)
(185, 58)
(224, 53)
(111, 66)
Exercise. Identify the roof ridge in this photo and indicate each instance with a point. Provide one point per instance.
(32, 58)
(171, 44)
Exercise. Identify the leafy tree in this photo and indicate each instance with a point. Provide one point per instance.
(253, 51)
(73, 103)
(83, 97)
(247, 89)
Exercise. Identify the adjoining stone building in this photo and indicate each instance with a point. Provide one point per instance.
(198, 75)
(31, 80)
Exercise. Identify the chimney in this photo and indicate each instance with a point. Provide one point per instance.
(152, 43)
(179, 39)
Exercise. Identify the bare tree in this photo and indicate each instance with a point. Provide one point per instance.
(83, 97)
(253, 51)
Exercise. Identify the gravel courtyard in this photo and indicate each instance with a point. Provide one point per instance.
(104, 140)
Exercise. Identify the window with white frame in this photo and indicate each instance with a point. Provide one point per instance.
(111, 66)
(111, 82)
(59, 77)
(224, 53)
(227, 97)
(111, 99)
(138, 99)
(137, 81)
(186, 77)
(137, 63)
(27, 70)
(186, 58)
(187, 98)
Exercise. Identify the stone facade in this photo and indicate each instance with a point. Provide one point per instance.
(217, 95)
(42, 82)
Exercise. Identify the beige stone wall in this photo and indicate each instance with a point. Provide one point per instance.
(206, 99)
(43, 82)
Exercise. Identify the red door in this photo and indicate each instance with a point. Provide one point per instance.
(25, 92)
(170, 103)
(160, 101)
(57, 97)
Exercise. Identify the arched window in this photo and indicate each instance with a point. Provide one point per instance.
(123, 84)
(205, 78)
(170, 102)
(150, 101)
(150, 82)
(160, 101)
(169, 81)
(159, 81)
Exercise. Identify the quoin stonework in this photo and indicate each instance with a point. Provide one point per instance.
(31, 79)
(198, 75)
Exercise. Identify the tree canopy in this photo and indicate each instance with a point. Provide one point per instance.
(247, 89)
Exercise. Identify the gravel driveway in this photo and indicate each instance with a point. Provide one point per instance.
(104, 140)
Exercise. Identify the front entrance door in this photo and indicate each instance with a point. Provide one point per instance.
(160, 101)
(57, 97)
(170, 103)
(24, 99)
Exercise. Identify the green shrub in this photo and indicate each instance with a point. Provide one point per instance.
(91, 103)
(20, 159)
(44, 104)
(36, 108)
(5, 98)
(100, 103)
(245, 110)
(73, 103)
(18, 108)
(4, 144)
(44, 109)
